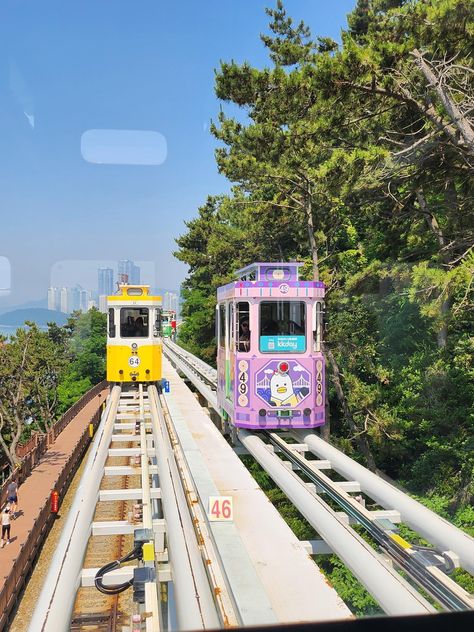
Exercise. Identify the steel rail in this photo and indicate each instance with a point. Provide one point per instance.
(430, 578)
(195, 607)
(391, 591)
(205, 368)
(192, 373)
(207, 373)
(221, 589)
(152, 601)
(451, 597)
(54, 607)
(449, 539)
(441, 533)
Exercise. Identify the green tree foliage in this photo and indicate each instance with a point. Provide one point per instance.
(42, 373)
(358, 160)
(348, 587)
(85, 347)
(210, 248)
(31, 365)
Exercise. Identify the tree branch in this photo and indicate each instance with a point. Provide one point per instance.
(459, 121)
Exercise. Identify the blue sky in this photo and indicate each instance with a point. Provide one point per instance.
(67, 67)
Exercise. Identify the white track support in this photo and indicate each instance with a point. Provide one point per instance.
(432, 527)
(378, 514)
(391, 591)
(147, 518)
(195, 606)
(54, 608)
(212, 557)
(174, 356)
(123, 527)
(126, 470)
(126, 494)
(152, 590)
(317, 547)
(129, 452)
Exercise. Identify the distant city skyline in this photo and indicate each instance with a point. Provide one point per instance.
(105, 281)
(70, 299)
(128, 74)
(128, 272)
(67, 298)
(170, 302)
(85, 273)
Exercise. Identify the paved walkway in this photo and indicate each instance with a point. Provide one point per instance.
(39, 485)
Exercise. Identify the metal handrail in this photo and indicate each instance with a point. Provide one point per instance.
(39, 443)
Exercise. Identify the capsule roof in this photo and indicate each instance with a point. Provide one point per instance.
(272, 271)
(134, 293)
(271, 280)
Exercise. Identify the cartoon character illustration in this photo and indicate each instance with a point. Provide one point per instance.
(281, 388)
(282, 392)
(283, 383)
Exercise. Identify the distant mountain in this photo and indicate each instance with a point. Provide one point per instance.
(43, 302)
(38, 315)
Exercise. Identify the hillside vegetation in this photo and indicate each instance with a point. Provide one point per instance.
(42, 373)
(357, 159)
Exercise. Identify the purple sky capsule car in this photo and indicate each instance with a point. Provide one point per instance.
(269, 359)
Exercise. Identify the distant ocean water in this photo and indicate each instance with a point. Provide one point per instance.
(7, 330)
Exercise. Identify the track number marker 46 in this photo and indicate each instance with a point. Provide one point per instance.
(221, 508)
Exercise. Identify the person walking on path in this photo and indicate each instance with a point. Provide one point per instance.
(5, 526)
(12, 496)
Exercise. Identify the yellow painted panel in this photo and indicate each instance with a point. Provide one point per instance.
(399, 540)
(152, 300)
(148, 552)
(146, 358)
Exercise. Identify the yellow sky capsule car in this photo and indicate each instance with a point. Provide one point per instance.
(133, 336)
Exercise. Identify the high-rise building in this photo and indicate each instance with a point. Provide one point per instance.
(64, 300)
(54, 298)
(84, 299)
(69, 299)
(128, 272)
(170, 302)
(105, 281)
(74, 296)
(103, 304)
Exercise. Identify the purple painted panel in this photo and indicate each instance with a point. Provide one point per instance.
(242, 416)
(278, 385)
(290, 289)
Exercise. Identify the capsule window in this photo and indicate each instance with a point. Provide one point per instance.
(222, 325)
(134, 291)
(158, 322)
(134, 322)
(318, 311)
(230, 325)
(111, 322)
(243, 327)
(282, 327)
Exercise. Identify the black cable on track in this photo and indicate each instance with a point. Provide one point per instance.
(115, 589)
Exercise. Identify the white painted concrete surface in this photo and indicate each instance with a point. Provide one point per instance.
(295, 589)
